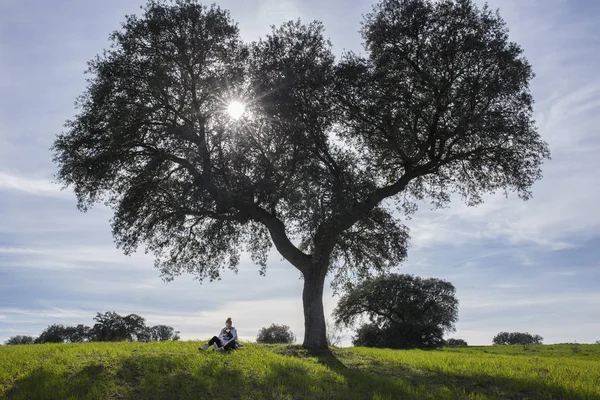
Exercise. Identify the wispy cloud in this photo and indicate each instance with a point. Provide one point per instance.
(31, 185)
(508, 286)
(70, 257)
(521, 300)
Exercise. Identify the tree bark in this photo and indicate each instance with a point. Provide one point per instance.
(314, 318)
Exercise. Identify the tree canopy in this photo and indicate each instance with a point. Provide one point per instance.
(438, 104)
(403, 311)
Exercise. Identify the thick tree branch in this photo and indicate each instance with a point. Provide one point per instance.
(160, 154)
(328, 233)
(282, 242)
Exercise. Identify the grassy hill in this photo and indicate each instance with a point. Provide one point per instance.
(177, 370)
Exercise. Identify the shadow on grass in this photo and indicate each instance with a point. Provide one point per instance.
(45, 382)
(340, 382)
(441, 384)
(220, 376)
(133, 377)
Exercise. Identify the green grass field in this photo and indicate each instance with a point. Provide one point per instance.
(177, 370)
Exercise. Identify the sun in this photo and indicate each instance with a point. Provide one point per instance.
(236, 109)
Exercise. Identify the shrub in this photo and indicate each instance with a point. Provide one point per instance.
(456, 342)
(276, 334)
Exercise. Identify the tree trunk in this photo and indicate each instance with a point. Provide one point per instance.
(314, 317)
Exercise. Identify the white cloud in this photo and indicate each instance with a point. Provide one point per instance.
(505, 301)
(68, 256)
(562, 210)
(568, 118)
(31, 185)
(21, 315)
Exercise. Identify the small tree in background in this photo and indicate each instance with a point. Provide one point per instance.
(537, 339)
(404, 311)
(501, 338)
(145, 335)
(78, 334)
(134, 325)
(20, 339)
(112, 327)
(334, 334)
(109, 327)
(163, 332)
(276, 334)
(456, 342)
(53, 334)
(505, 338)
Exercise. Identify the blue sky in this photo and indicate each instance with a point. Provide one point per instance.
(517, 266)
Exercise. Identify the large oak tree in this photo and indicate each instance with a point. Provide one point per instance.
(439, 103)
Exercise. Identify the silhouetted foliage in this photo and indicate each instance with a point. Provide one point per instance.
(516, 338)
(78, 334)
(370, 335)
(112, 327)
(55, 333)
(135, 325)
(109, 327)
(456, 342)
(404, 311)
(157, 333)
(145, 335)
(439, 104)
(20, 339)
(164, 332)
(275, 334)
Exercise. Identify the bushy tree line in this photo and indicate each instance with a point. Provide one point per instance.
(516, 338)
(109, 327)
(20, 339)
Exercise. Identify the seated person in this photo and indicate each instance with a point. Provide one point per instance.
(226, 339)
